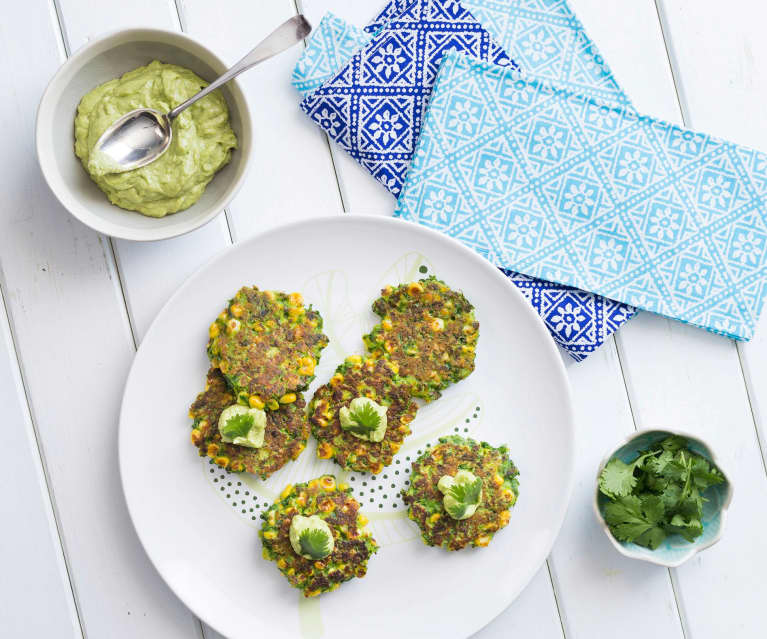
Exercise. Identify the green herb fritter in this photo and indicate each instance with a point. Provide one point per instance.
(429, 331)
(351, 444)
(266, 344)
(484, 512)
(285, 435)
(346, 555)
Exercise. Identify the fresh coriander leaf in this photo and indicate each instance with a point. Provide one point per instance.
(674, 443)
(631, 519)
(676, 470)
(705, 474)
(652, 507)
(238, 426)
(656, 463)
(691, 504)
(366, 420)
(617, 478)
(690, 529)
(656, 483)
(315, 543)
(671, 495)
(651, 538)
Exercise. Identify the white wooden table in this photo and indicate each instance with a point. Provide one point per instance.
(76, 305)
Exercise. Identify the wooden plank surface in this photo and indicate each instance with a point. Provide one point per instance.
(30, 552)
(77, 302)
(69, 321)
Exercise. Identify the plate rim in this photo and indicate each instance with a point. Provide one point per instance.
(374, 220)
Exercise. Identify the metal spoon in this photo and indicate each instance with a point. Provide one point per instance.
(143, 135)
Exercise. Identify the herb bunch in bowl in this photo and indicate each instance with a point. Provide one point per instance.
(658, 494)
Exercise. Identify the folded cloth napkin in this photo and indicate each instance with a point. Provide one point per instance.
(373, 106)
(561, 186)
(330, 46)
(579, 322)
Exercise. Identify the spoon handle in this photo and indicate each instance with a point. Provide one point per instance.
(283, 37)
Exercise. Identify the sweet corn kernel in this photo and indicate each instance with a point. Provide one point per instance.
(386, 323)
(497, 479)
(296, 299)
(213, 330)
(254, 401)
(232, 326)
(435, 518)
(328, 482)
(354, 359)
(288, 398)
(362, 520)
(272, 404)
(282, 564)
(270, 534)
(286, 491)
(482, 540)
(212, 450)
(324, 450)
(222, 461)
(336, 379)
(343, 487)
(270, 295)
(414, 288)
(236, 310)
(326, 505)
(196, 437)
(437, 324)
(504, 518)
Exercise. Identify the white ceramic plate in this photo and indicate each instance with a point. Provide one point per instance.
(199, 524)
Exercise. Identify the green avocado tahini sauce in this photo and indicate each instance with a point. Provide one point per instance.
(202, 144)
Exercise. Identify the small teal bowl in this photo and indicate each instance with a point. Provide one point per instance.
(675, 550)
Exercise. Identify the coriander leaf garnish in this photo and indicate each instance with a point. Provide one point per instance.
(467, 493)
(315, 543)
(238, 426)
(366, 417)
(462, 493)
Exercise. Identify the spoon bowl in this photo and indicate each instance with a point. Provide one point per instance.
(143, 135)
(136, 139)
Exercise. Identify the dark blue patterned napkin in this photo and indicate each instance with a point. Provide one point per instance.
(374, 106)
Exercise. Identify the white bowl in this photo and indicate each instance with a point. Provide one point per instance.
(97, 62)
(674, 551)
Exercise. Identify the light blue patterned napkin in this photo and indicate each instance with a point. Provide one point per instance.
(547, 41)
(561, 186)
(579, 322)
(330, 46)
